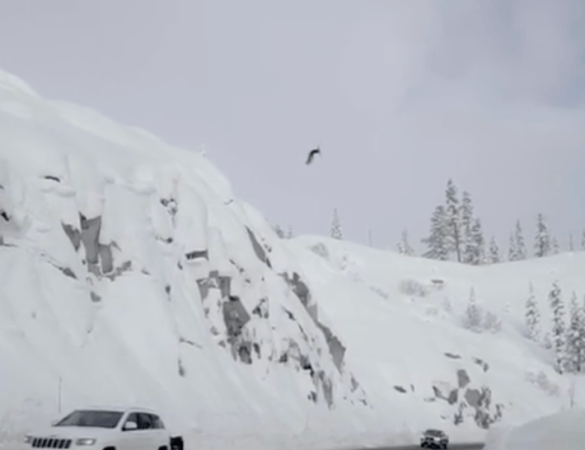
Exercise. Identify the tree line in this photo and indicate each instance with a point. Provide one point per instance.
(456, 234)
(566, 336)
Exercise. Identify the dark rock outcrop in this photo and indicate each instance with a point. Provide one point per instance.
(73, 234)
(301, 290)
(485, 366)
(462, 378)
(258, 249)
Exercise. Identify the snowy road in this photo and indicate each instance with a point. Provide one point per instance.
(452, 447)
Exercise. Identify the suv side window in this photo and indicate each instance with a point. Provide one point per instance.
(144, 421)
(131, 418)
(157, 422)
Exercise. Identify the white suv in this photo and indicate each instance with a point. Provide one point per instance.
(104, 429)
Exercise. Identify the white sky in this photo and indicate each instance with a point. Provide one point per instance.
(401, 95)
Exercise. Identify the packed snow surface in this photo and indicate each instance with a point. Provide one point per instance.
(130, 274)
(561, 431)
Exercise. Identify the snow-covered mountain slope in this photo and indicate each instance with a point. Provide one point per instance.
(403, 320)
(129, 273)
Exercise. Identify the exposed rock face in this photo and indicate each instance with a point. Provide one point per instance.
(485, 366)
(462, 378)
(236, 303)
(336, 348)
(240, 325)
(301, 290)
(73, 234)
(476, 400)
(445, 391)
(260, 253)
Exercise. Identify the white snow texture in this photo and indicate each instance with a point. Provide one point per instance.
(563, 431)
(130, 274)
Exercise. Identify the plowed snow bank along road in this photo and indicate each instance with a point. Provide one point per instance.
(451, 447)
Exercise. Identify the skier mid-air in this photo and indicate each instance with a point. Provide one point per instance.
(312, 154)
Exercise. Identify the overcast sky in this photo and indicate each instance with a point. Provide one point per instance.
(400, 94)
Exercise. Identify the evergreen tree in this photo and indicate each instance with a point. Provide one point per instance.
(466, 235)
(400, 247)
(558, 331)
(520, 246)
(453, 221)
(572, 335)
(571, 243)
(279, 231)
(403, 246)
(477, 244)
(494, 255)
(289, 233)
(580, 340)
(576, 337)
(512, 250)
(532, 317)
(554, 246)
(542, 244)
(472, 319)
(336, 226)
(437, 240)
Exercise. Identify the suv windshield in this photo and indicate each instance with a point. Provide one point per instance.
(93, 419)
(434, 433)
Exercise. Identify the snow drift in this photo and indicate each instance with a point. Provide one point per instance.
(563, 431)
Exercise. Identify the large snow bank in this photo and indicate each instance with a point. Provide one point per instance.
(129, 274)
(561, 431)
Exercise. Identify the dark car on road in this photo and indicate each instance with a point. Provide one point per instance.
(434, 439)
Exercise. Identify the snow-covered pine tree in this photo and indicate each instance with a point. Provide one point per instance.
(573, 331)
(289, 233)
(532, 317)
(494, 253)
(453, 221)
(279, 231)
(512, 249)
(436, 242)
(472, 319)
(542, 244)
(466, 237)
(403, 246)
(400, 247)
(477, 247)
(580, 344)
(558, 332)
(336, 226)
(571, 243)
(520, 245)
(554, 246)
